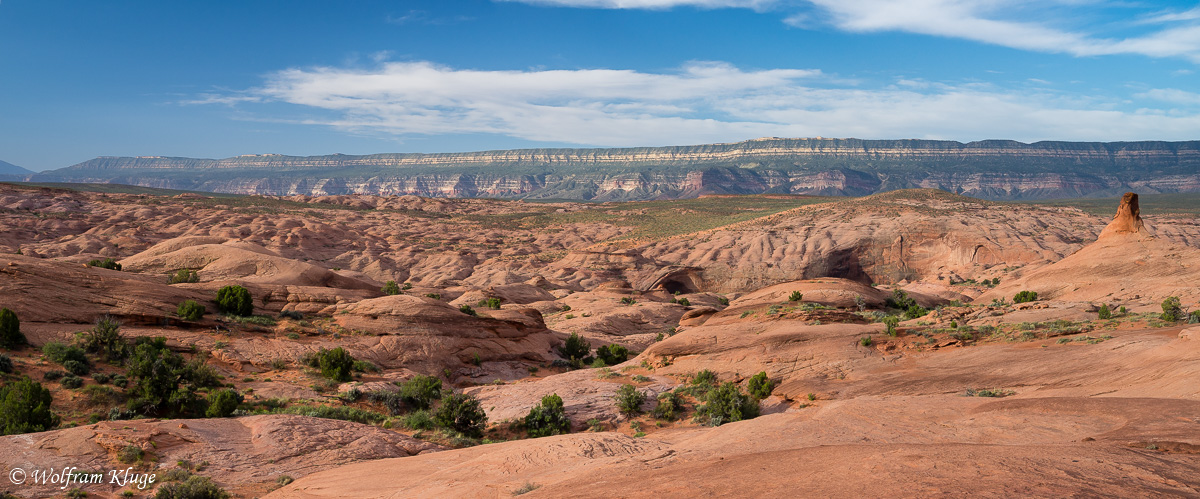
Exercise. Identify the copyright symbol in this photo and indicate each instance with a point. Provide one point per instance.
(16, 476)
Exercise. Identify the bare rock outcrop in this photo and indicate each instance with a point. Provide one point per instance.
(1128, 219)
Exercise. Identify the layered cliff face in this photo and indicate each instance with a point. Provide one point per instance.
(988, 169)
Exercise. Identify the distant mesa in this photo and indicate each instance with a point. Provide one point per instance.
(989, 169)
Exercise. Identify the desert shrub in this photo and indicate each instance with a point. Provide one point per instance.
(284, 480)
(669, 406)
(120, 381)
(391, 288)
(547, 418)
(222, 403)
(10, 330)
(418, 420)
(685, 302)
(492, 303)
(435, 296)
(107, 263)
(25, 408)
(100, 396)
(461, 413)
(726, 404)
(705, 378)
(889, 323)
(6, 364)
(61, 353)
(628, 300)
(866, 341)
(760, 385)
(130, 454)
(900, 300)
(183, 276)
(915, 311)
(612, 354)
(101, 378)
(629, 400)
(1104, 313)
(351, 395)
(76, 367)
(163, 383)
(335, 364)
(796, 296)
(53, 375)
(363, 366)
(235, 300)
(1025, 296)
(406, 286)
(105, 340)
(195, 487)
(1194, 317)
(723, 300)
(576, 349)
(342, 413)
(189, 310)
(291, 314)
(420, 391)
(989, 392)
(71, 381)
(1171, 309)
(466, 309)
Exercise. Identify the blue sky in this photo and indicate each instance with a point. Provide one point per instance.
(80, 79)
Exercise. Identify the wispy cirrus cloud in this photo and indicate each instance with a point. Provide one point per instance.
(1060, 25)
(698, 103)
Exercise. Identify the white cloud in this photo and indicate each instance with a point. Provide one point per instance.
(1005, 23)
(652, 4)
(699, 103)
(1171, 95)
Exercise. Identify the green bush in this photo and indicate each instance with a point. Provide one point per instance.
(889, 323)
(53, 375)
(669, 406)
(1194, 317)
(629, 400)
(61, 353)
(1025, 296)
(335, 364)
(1104, 313)
(548, 418)
(25, 408)
(105, 340)
(461, 413)
(900, 300)
(195, 487)
(130, 454)
(866, 341)
(235, 300)
(6, 364)
(420, 391)
(726, 404)
(10, 330)
(418, 420)
(796, 296)
(435, 296)
(222, 403)
(705, 378)
(915, 311)
(362, 366)
(576, 349)
(684, 302)
(101, 378)
(184, 276)
(761, 386)
(189, 310)
(628, 300)
(391, 288)
(71, 381)
(492, 303)
(1172, 309)
(612, 354)
(76, 367)
(163, 383)
(723, 301)
(107, 263)
(466, 309)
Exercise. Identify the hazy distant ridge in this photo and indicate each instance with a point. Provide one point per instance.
(992, 168)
